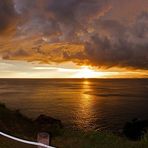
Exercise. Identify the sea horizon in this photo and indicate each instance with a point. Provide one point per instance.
(79, 78)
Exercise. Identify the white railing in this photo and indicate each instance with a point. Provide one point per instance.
(25, 141)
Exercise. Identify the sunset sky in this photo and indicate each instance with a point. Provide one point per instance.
(73, 38)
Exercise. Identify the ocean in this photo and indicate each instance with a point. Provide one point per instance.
(85, 104)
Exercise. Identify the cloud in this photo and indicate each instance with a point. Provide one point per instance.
(113, 44)
(119, 45)
(7, 15)
(66, 20)
(83, 31)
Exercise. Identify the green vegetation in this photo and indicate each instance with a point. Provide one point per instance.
(11, 121)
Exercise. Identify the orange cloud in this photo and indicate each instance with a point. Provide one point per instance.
(83, 31)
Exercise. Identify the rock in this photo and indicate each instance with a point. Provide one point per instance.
(46, 122)
(135, 129)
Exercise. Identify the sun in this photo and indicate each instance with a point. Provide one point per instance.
(87, 72)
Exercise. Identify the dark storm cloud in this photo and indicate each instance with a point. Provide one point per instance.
(7, 14)
(119, 45)
(61, 20)
(95, 24)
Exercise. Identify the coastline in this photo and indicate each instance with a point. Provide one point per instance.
(62, 137)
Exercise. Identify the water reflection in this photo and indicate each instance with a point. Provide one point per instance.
(85, 111)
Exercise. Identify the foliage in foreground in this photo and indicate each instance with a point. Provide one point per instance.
(84, 140)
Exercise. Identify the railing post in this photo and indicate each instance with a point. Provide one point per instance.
(43, 138)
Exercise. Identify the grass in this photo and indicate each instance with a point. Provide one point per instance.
(96, 140)
(83, 140)
(5, 143)
(64, 138)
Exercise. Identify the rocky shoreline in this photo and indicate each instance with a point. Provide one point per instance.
(16, 124)
(14, 121)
